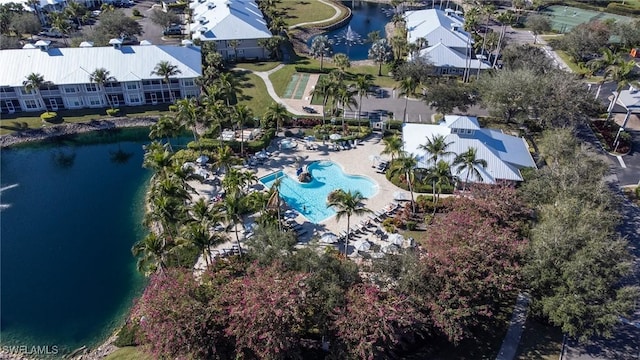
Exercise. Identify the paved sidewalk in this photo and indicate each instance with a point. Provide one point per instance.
(512, 339)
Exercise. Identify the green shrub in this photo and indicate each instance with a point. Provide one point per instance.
(388, 225)
(312, 70)
(411, 225)
(173, 108)
(127, 335)
(113, 112)
(637, 192)
(49, 116)
(136, 12)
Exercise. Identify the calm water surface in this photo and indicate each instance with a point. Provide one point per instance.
(71, 212)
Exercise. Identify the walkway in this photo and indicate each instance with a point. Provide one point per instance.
(334, 17)
(516, 326)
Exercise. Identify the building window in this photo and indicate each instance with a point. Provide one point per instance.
(91, 87)
(132, 86)
(70, 89)
(31, 104)
(95, 101)
(74, 102)
(134, 99)
(28, 92)
(188, 82)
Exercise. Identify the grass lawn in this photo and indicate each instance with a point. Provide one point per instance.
(21, 121)
(539, 341)
(254, 93)
(128, 353)
(568, 60)
(301, 11)
(259, 66)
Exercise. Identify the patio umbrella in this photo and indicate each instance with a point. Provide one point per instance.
(396, 239)
(202, 159)
(361, 245)
(390, 249)
(329, 238)
(335, 136)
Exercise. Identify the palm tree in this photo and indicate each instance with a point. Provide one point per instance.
(166, 70)
(347, 204)
(187, 115)
(75, 10)
(380, 52)
(242, 113)
(407, 87)
(152, 254)
(166, 127)
(392, 146)
(157, 157)
(436, 147)
(608, 59)
(224, 158)
(229, 85)
(325, 87)
(321, 47)
(439, 176)
(234, 45)
(363, 83)
(621, 74)
(345, 97)
(274, 200)
(406, 165)
(101, 76)
(33, 83)
(198, 235)
(277, 113)
(468, 161)
(342, 62)
(233, 207)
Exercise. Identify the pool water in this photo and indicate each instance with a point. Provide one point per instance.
(310, 199)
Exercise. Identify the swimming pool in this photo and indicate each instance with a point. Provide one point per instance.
(310, 199)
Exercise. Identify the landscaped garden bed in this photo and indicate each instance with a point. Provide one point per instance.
(606, 132)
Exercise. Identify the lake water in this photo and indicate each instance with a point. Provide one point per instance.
(71, 212)
(367, 17)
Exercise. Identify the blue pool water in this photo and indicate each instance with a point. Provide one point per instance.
(310, 199)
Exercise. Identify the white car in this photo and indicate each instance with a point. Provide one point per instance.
(48, 32)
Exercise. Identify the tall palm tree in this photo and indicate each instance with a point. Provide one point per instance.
(436, 147)
(363, 83)
(33, 83)
(166, 127)
(153, 254)
(608, 59)
(392, 146)
(166, 70)
(274, 200)
(242, 114)
(321, 46)
(277, 113)
(346, 204)
(198, 235)
(439, 175)
(229, 85)
(342, 62)
(622, 75)
(380, 53)
(468, 161)
(407, 87)
(187, 115)
(101, 76)
(325, 87)
(224, 158)
(233, 207)
(406, 165)
(345, 97)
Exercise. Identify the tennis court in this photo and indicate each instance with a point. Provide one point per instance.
(565, 18)
(296, 86)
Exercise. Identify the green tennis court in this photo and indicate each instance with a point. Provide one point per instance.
(291, 86)
(301, 86)
(565, 18)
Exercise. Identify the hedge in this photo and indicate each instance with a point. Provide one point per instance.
(313, 70)
(616, 8)
(113, 112)
(49, 116)
(249, 146)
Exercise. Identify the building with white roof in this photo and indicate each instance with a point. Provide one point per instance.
(68, 70)
(224, 21)
(505, 154)
(629, 100)
(448, 45)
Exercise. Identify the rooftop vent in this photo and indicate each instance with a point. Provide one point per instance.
(455, 27)
(187, 43)
(202, 20)
(448, 11)
(145, 43)
(203, 30)
(86, 44)
(29, 46)
(201, 1)
(43, 44)
(211, 5)
(116, 43)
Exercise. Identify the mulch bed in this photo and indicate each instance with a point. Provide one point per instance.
(608, 131)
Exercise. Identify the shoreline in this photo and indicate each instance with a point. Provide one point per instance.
(50, 132)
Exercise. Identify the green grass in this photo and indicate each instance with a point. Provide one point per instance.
(254, 93)
(259, 66)
(281, 78)
(302, 11)
(539, 342)
(128, 353)
(21, 121)
(568, 60)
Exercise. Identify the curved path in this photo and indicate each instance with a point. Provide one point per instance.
(335, 16)
(264, 75)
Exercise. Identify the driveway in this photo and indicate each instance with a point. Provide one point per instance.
(150, 31)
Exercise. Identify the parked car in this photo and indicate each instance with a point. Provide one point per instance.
(129, 40)
(173, 30)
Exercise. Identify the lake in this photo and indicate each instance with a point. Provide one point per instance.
(70, 213)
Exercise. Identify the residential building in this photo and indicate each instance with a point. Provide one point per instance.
(236, 27)
(67, 71)
(449, 47)
(505, 154)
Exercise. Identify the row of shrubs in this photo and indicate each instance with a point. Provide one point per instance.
(249, 146)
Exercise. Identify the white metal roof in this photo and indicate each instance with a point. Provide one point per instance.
(437, 27)
(73, 65)
(630, 99)
(442, 56)
(505, 154)
(227, 20)
(25, 3)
